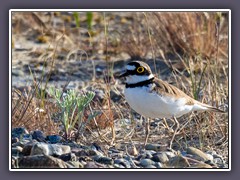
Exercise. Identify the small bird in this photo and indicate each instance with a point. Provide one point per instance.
(155, 98)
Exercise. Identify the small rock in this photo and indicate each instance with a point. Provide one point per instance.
(145, 155)
(27, 148)
(14, 140)
(159, 165)
(40, 148)
(112, 150)
(19, 132)
(50, 149)
(122, 162)
(118, 166)
(170, 154)
(41, 161)
(160, 157)
(105, 160)
(17, 72)
(201, 156)
(155, 147)
(39, 136)
(146, 162)
(96, 157)
(68, 157)
(53, 139)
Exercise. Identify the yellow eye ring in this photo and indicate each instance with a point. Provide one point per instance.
(140, 69)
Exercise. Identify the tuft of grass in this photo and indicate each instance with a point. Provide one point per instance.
(72, 107)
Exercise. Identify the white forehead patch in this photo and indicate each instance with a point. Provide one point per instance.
(130, 68)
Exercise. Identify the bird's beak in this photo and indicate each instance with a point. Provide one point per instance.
(126, 73)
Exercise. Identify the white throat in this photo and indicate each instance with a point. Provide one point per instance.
(133, 79)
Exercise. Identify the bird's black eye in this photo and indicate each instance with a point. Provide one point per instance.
(140, 69)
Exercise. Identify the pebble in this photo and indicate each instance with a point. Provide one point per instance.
(68, 157)
(170, 154)
(104, 160)
(160, 157)
(201, 156)
(50, 149)
(159, 165)
(155, 147)
(14, 140)
(146, 162)
(125, 163)
(27, 148)
(19, 132)
(41, 161)
(118, 166)
(53, 139)
(150, 166)
(39, 136)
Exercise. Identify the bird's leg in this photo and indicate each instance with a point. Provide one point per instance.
(147, 130)
(175, 131)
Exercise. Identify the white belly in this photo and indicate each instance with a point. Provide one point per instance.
(153, 105)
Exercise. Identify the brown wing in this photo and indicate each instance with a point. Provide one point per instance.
(164, 88)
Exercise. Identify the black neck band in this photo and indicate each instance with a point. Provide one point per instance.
(139, 84)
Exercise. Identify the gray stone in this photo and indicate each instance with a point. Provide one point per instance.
(53, 139)
(159, 165)
(96, 157)
(50, 149)
(68, 157)
(39, 136)
(19, 132)
(160, 157)
(201, 156)
(155, 147)
(146, 162)
(170, 154)
(27, 148)
(41, 161)
(123, 162)
(104, 160)
(17, 72)
(118, 166)
(14, 140)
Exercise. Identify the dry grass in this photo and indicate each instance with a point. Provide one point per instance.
(29, 112)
